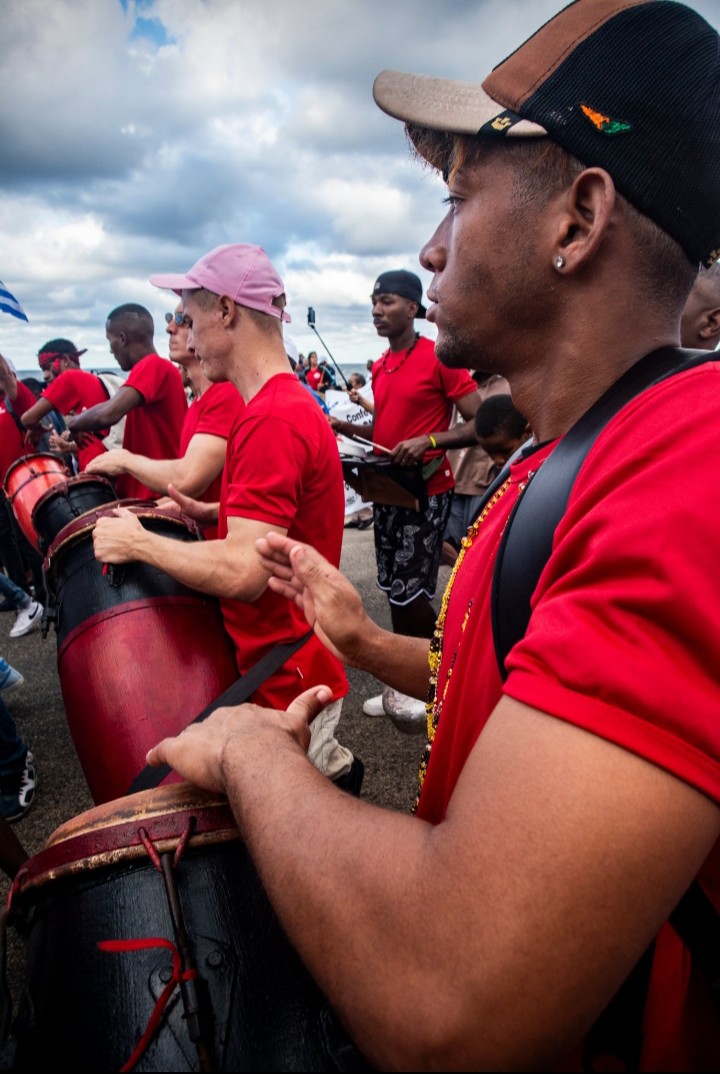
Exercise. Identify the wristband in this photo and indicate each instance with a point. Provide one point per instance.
(433, 441)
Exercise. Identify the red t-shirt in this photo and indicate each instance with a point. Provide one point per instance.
(414, 396)
(623, 641)
(12, 441)
(71, 392)
(283, 468)
(213, 414)
(153, 428)
(314, 377)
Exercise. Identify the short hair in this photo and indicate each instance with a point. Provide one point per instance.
(59, 346)
(664, 271)
(359, 377)
(264, 322)
(498, 414)
(134, 320)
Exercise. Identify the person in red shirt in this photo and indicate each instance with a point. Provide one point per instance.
(282, 473)
(197, 472)
(69, 390)
(565, 810)
(414, 396)
(17, 554)
(152, 399)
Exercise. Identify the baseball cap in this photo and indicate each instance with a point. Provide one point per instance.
(403, 283)
(631, 86)
(242, 272)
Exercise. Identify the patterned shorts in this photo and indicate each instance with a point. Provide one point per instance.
(407, 548)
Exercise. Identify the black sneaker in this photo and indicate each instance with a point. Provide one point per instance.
(17, 791)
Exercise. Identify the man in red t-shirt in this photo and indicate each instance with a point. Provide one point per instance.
(566, 810)
(414, 396)
(152, 399)
(69, 390)
(209, 419)
(282, 473)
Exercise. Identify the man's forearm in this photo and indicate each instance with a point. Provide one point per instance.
(206, 566)
(462, 435)
(91, 420)
(395, 659)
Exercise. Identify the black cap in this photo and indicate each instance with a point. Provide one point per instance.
(631, 86)
(403, 283)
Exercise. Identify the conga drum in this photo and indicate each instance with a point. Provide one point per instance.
(66, 501)
(105, 951)
(139, 654)
(26, 481)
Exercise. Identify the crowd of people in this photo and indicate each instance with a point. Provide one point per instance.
(570, 783)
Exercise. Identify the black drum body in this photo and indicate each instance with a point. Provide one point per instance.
(66, 501)
(259, 1009)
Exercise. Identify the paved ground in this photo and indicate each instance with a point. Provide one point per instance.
(391, 758)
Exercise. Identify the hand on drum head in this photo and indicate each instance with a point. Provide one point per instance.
(110, 463)
(331, 605)
(408, 452)
(117, 536)
(200, 753)
(202, 513)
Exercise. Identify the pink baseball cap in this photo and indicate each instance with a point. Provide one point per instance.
(242, 272)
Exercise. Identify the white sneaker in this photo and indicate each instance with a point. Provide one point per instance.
(374, 706)
(407, 713)
(27, 619)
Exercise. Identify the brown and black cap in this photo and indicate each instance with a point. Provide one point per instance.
(632, 86)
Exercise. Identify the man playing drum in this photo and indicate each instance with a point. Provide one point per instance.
(565, 811)
(282, 473)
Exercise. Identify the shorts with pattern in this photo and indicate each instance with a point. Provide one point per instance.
(407, 548)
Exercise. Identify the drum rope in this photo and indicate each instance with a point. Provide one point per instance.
(184, 972)
(178, 975)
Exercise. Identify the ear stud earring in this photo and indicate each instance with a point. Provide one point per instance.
(559, 262)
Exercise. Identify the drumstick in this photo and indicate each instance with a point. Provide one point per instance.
(378, 447)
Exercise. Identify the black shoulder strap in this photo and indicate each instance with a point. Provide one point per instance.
(236, 694)
(13, 414)
(524, 551)
(527, 540)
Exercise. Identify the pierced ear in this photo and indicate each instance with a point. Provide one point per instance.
(586, 211)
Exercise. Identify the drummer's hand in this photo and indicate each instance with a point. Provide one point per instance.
(116, 537)
(202, 513)
(63, 444)
(408, 452)
(110, 463)
(199, 755)
(331, 605)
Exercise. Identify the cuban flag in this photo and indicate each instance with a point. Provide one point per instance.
(9, 304)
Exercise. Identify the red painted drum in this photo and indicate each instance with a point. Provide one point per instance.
(246, 1003)
(26, 481)
(66, 501)
(139, 654)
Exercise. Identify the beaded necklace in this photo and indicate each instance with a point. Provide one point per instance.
(434, 704)
(403, 360)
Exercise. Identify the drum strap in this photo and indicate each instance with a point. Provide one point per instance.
(11, 411)
(242, 689)
(525, 548)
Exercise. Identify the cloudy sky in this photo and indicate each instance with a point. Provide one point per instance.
(138, 134)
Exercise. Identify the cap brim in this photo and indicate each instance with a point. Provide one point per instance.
(177, 283)
(443, 104)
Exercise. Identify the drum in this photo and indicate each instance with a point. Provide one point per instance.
(66, 501)
(26, 481)
(139, 654)
(90, 1002)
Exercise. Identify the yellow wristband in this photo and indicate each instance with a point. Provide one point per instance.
(432, 440)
